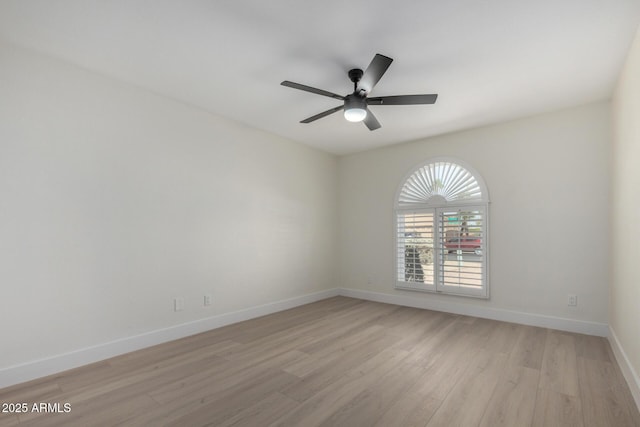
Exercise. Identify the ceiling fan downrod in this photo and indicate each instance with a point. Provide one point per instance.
(355, 75)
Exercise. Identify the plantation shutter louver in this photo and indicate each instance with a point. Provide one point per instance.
(461, 269)
(415, 248)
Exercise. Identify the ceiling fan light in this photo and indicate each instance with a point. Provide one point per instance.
(355, 114)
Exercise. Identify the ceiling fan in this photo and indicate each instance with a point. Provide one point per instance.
(355, 105)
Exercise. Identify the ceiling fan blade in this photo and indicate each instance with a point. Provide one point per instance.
(374, 72)
(312, 90)
(371, 122)
(323, 114)
(403, 100)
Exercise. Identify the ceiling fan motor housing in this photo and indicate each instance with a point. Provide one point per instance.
(355, 101)
(355, 108)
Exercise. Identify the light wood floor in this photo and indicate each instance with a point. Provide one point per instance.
(346, 362)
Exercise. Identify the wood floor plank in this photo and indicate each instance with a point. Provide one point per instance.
(339, 328)
(365, 408)
(410, 410)
(467, 401)
(145, 358)
(217, 379)
(437, 346)
(497, 336)
(145, 380)
(339, 366)
(513, 401)
(348, 347)
(265, 349)
(602, 396)
(346, 362)
(590, 347)
(559, 370)
(287, 319)
(447, 363)
(317, 409)
(439, 379)
(216, 408)
(263, 412)
(555, 409)
(529, 347)
(8, 420)
(420, 328)
(299, 325)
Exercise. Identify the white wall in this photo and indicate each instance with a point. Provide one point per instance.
(624, 318)
(548, 180)
(114, 200)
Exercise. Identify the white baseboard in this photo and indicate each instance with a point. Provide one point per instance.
(633, 380)
(544, 321)
(62, 362)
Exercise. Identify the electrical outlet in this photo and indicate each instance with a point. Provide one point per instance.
(207, 300)
(178, 304)
(572, 300)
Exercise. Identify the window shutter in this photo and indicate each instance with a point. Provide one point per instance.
(415, 250)
(462, 265)
(442, 231)
(440, 181)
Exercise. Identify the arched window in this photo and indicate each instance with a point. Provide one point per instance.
(442, 222)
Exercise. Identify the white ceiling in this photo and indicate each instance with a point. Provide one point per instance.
(489, 60)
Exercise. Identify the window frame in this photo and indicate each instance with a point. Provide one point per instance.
(435, 206)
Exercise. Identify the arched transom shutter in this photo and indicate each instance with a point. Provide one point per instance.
(440, 182)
